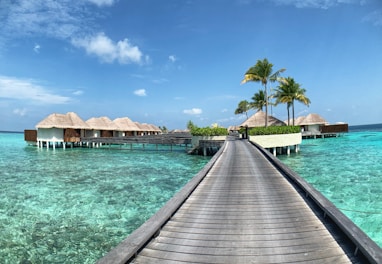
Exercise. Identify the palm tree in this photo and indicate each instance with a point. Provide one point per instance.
(283, 94)
(290, 91)
(258, 100)
(243, 107)
(262, 72)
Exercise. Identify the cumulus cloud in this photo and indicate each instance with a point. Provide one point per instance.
(140, 92)
(193, 111)
(108, 50)
(29, 90)
(68, 20)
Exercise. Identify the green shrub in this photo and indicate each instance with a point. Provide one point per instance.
(273, 130)
(209, 131)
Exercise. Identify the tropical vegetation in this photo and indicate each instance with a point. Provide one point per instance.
(213, 130)
(259, 100)
(271, 130)
(262, 72)
(209, 131)
(287, 92)
(243, 107)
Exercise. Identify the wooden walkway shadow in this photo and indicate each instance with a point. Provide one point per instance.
(245, 210)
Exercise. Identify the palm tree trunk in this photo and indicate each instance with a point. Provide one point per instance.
(288, 115)
(266, 105)
(293, 110)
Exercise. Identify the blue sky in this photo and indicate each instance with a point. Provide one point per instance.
(168, 62)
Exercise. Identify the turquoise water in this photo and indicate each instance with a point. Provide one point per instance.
(74, 205)
(348, 171)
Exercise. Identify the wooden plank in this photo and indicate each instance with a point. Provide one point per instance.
(324, 256)
(252, 189)
(363, 243)
(133, 243)
(242, 210)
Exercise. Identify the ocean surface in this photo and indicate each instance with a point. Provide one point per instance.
(74, 205)
(348, 171)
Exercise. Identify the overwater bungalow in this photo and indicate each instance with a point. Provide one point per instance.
(70, 128)
(101, 127)
(154, 130)
(311, 123)
(126, 127)
(258, 120)
(314, 125)
(60, 129)
(143, 129)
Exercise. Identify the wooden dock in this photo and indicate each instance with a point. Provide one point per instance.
(246, 207)
(163, 139)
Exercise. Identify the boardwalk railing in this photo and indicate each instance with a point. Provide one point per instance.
(361, 241)
(169, 139)
(363, 246)
(129, 247)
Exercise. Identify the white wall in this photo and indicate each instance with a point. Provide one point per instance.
(50, 134)
(282, 140)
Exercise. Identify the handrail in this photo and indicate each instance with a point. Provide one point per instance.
(361, 241)
(129, 247)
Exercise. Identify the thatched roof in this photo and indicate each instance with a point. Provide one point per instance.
(311, 119)
(234, 128)
(68, 120)
(297, 121)
(143, 127)
(258, 120)
(125, 124)
(101, 123)
(72, 120)
(152, 128)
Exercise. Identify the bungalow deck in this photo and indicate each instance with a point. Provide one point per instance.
(246, 207)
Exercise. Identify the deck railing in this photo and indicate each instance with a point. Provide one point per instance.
(362, 243)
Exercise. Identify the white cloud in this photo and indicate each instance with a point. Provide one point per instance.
(140, 92)
(78, 92)
(193, 111)
(29, 90)
(20, 112)
(102, 2)
(58, 19)
(172, 58)
(160, 81)
(65, 20)
(109, 51)
(374, 17)
(324, 4)
(37, 48)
